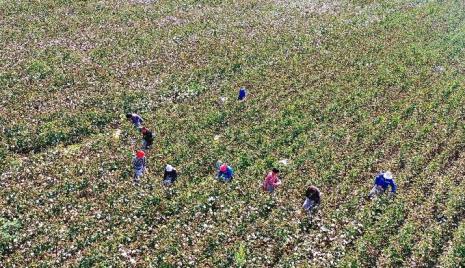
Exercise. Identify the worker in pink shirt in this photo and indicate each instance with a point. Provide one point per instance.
(271, 180)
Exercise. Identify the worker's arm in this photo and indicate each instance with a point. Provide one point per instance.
(393, 186)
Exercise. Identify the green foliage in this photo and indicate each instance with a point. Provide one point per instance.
(338, 90)
(240, 256)
(456, 254)
(7, 79)
(39, 69)
(92, 261)
(9, 231)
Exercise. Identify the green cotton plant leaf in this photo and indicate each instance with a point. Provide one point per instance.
(39, 69)
(240, 256)
(337, 92)
(8, 234)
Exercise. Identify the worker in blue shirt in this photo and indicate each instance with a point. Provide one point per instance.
(135, 119)
(225, 173)
(383, 181)
(242, 94)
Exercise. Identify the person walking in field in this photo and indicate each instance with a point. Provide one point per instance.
(312, 199)
(242, 94)
(170, 175)
(383, 181)
(271, 181)
(135, 119)
(147, 138)
(139, 163)
(225, 172)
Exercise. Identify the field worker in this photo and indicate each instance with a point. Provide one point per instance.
(135, 119)
(147, 138)
(271, 180)
(312, 199)
(170, 175)
(225, 173)
(139, 162)
(382, 182)
(242, 94)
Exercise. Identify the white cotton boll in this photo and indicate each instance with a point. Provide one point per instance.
(439, 69)
(117, 134)
(284, 161)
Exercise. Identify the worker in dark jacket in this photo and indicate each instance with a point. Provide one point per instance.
(147, 138)
(312, 199)
(170, 175)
